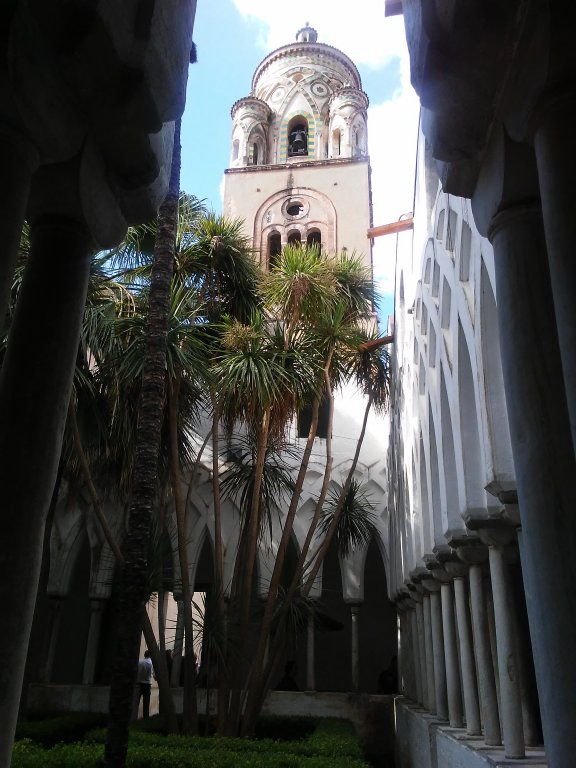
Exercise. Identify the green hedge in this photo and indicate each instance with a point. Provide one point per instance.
(52, 730)
(332, 744)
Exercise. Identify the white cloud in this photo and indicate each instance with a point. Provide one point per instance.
(362, 32)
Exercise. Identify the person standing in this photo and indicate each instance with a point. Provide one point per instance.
(144, 682)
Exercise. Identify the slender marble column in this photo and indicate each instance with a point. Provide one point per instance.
(430, 685)
(178, 645)
(451, 657)
(422, 651)
(354, 613)
(416, 653)
(310, 671)
(471, 708)
(440, 693)
(511, 707)
(486, 682)
(93, 641)
(53, 631)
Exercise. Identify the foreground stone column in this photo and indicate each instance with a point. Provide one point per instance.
(93, 641)
(35, 385)
(416, 653)
(53, 631)
(544, 460)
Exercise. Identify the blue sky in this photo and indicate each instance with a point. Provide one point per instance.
(233, 36)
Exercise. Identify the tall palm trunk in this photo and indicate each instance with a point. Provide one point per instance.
(221, 672)
(246, 573)
(133, 593)
(189, 712)
(320, 554)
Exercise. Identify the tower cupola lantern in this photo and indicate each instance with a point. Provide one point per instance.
(306, 35)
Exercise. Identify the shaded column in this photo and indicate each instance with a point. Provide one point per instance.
(415, 652)
(354, 614)
(421, 650)
(440, 693)
(310, 671)
(35, 385)
(510, 703)
(178, 644)
(53, 630)
(467, 661)
(93, 641)
(451, 655)
(430, 685)
(544, 461)
(486, 681)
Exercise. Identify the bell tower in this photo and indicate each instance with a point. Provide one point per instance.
(299, 167)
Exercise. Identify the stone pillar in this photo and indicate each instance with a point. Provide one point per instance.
(310, 670)
(467, 662)
(451, 656)
(35, 385)
(354, 613)
(430, 685)
(510, 703)
(421, 650)
(178, 644)
(93, 641)
(416, 653)
(486, 681)
(544, 462)
(55, 614)
(440, 693)
(552, 125)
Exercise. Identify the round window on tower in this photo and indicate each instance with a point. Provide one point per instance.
(294, 208)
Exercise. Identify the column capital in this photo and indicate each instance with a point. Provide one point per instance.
(456, 569)
(431, 585)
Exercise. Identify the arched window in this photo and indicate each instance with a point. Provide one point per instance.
(314, 237)
(294, 237)
(235, 149)
(254, 154)
(274, 249)
(298, 137)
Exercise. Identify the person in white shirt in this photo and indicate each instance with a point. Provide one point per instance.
(144, 681)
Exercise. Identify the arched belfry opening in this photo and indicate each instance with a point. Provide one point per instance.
(298, 137)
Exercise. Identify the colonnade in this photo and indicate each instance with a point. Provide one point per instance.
(460, 642)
